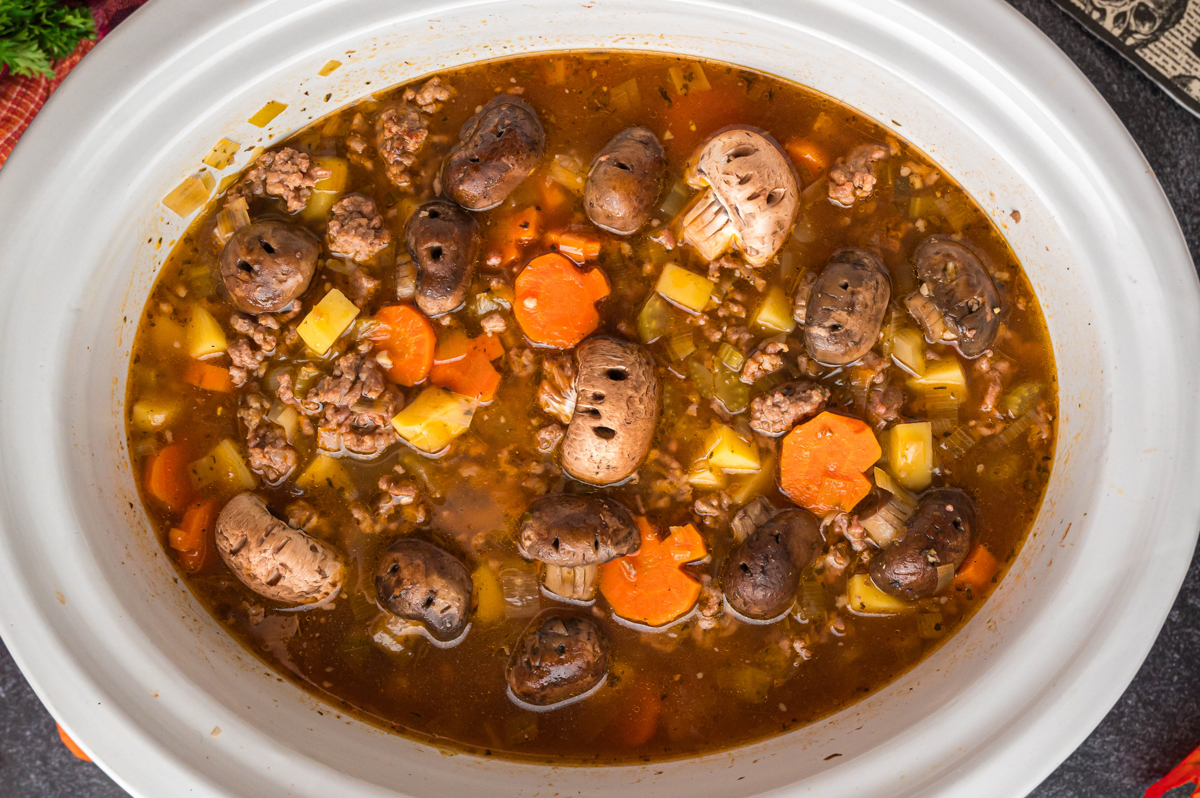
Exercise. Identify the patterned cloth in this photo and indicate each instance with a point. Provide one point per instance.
(22, 97)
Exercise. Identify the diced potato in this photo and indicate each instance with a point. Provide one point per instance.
(168, 335)
(190, 195)
(223, 466)
(774, 315)
(731, 453)
(268, 112)
(325, 323)
(435, 418)
(747, 487)
(325, 471)
(908, 350)
(489, 598)
(684, 288)
(942, 375)
(866, 599)
(152, 413)
(221, 155)
(704, 476)
(909, 450)
(204, 334)
(327, 190)
(655, 319)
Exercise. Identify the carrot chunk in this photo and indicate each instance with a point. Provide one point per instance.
(822, 461)
(72, 746)
(579, 248)
(509, 238)
(1186, 773)
(192, 540)
(978, 569)
(408, 338)
(167, 479)
(695, 117)
(464, 365)
(556, 300)
(637, 721)
(810, 159)
(208, 377)
(649, 586)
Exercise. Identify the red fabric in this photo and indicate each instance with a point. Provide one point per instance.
(1186, 772)
(22, 97)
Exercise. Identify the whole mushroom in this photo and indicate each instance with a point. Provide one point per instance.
(957, 301)
(761, 575)
(443, 241)
(420, 582)
(572, 536)
(624, 181)
(846, 307)
(501, 146)
(616, 412)
(265, 266)
(750, 197)
(558, 659)
(273, 559)
(936, 541)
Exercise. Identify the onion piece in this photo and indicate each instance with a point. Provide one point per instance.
(945, 576)
(520, 589)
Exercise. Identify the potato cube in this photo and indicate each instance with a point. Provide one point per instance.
(866, 599)
(434, 419)
(731, 453)
(909, 449)
(325, 323)
(325, 471)
(686, 289)
(774, 315)
(204, 334)
(327, 190)
(908, 350)
(153, 413)
(223, 466)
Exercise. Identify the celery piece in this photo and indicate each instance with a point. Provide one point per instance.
(731, 358)
(190, 195)
(700, 376)
(730, 452)
(434, 419)
(489, 598)
(956, 444)
(884, 480)
(204, 334)
(327, 190)
(263, 116)
(567, 171)
(153, 413)
(957, 209)
(224, 467)
(863, 598)
(686, 289)
(325, 471)
(774, 315)
(325, 323)
(681, 344)
(811, 605)
(730, 390)
(330, 67)
(221, 155)
(908, 350)
(676, 75)
(921, 206)
(626, 97)
(1020, 400)
(655, 319)
(230, 219)
(1010, 433)
(909, 449)
(676, 198)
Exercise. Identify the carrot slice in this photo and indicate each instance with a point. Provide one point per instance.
(510, 236)
(556, 300)
(638, 719)
(208, 377)
(167, 480)
(192, 539)
(72, 746)
(579, 248)
(809, 158)
(408, 338)
(822, 461)
(649, 586)
(464, 365)
(978, 569)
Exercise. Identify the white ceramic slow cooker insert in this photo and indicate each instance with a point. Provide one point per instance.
(141, 676)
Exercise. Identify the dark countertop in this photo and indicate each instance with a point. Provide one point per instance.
(1153, 726)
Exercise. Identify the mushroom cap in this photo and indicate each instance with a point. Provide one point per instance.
(573, 531)
(846, 307)
(418, 581)
(624, 181)
(616, 411)
(273, 559)
(961, 287)
(557, 659)
(265, 266)
(940, 532)
(761, 575)
(753, 180)
(443, 241)
(501, 146)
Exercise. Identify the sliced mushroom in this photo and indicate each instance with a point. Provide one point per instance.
(501, 146)
(936, 540)
(266, 266)
(762, 573)
(846, 307)
(616, 412)
(443, 241)
(572, 536)
(557, 659)
(275, 560)
(957, 302)
(750, 198)
(624, 181)
(420, 582)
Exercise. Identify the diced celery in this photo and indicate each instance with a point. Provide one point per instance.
(325, 323)
(233, 217)
(325, 471)
(811, 605)
(434, 419)
(866, 599)
(908, 350)
(223, 466)
(730, 452)
(655, 319)
(955, 444)
(676, 198)
(268, 112)
(221, 155)
(567, 171)
(886, 525)
(204, 334)
(774, 315)
(684, 288)
(729, 389)
(681, 343)
(626, 97)
(704, 476)
(152, 413)
(884, 480)
(285, 416)
(731, 358)
(745, 682)
(747, 487)
(701, 377)
(1020, 400)
(190, 195)
(957, 209)
(909, 449)
(921, 206)
(489, 598)
(327, 190)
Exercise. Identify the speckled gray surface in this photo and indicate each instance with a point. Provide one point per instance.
(1156, 722)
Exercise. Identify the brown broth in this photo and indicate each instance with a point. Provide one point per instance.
(711, 689)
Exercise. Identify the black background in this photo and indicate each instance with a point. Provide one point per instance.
(1154, 725)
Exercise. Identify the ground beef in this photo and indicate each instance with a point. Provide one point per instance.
(362, 286)
(270, 454)
(883, 403)
(356, 405)
(848, 527)
(255, 342)
(994, 372)
(493, 324)
(400, 133)
(356, 229)
(767, 360)
(779, 409)
(738, 267)
(853, 177)
(430, 96)
(301, 514)
(739, 338)
(548, 438)
(556, 393)
(287, 174)
(711, 604)
(522, 361)
(668, 480)
(751, 517)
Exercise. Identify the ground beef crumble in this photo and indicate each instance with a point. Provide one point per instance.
(781, 408)
(270, 454)
(556, 393)
(355, 404)
(400, 133)
(356, 229)
(256, 341)
(853, 177)
(287, 174)
(767, 360)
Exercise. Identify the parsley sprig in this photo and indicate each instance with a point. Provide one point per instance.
(35, 33)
